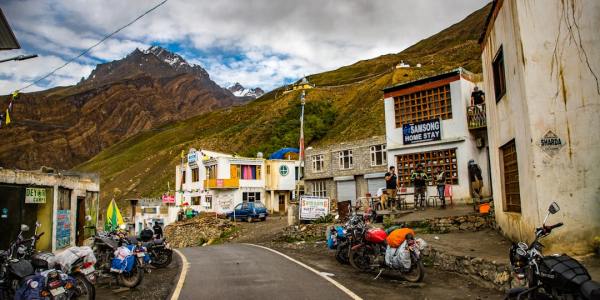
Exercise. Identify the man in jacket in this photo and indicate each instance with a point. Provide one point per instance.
(419, 179)
(440, 181)
(158, 232)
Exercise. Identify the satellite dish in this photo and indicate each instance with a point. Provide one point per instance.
(259, 155)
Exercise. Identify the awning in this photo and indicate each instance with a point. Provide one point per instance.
(374, 175)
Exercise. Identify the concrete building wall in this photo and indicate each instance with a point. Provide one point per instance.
(552, 72)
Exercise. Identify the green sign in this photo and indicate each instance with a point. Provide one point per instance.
(35, 195)
(283, 170)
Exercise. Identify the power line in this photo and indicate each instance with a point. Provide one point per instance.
(94, 46)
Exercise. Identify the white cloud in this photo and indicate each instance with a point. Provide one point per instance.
(277, 38)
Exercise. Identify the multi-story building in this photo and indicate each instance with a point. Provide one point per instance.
(216, 182)
(347, 170)
(430, 122)
(66, 205)
(541, 63)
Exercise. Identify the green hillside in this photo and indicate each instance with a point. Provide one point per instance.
(346, 105)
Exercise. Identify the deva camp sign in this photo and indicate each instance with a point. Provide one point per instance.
(424, 131)
(35, 195)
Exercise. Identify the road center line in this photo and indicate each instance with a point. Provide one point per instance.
(332, 281)
(184, 268)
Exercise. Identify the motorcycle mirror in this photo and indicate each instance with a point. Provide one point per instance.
(554, 208)
(24, 227)
(38, 224)
(122, 226)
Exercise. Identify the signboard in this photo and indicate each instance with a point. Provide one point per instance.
(168, 199)
(312, 207)
(424, 131)
(63, 228)
(284, 170)
(35, 195)
(551, 143)
(192, 158)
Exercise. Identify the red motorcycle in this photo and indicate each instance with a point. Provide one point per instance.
(368, 254)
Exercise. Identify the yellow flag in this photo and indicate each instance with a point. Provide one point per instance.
(7, 118)
(182, 154)
(15, 94)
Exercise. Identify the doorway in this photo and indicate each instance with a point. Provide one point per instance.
(80, 222)
(281, 203)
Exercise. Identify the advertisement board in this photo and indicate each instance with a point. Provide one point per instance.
(168, 199)
(63, 228)
(313, 207)
(424, 131)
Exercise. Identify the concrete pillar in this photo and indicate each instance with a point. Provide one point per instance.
(293, 215)
(273, 201)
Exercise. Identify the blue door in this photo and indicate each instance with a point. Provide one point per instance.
(241, 210)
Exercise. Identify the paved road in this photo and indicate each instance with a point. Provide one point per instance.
(240, 271)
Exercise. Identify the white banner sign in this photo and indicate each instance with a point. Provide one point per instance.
(312, 207)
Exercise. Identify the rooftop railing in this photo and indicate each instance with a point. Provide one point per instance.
(476, 117)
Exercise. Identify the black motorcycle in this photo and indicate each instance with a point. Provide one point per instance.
(105, 245)
(549, 277)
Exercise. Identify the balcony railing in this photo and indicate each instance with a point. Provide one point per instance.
(476, 117)
(232, 183)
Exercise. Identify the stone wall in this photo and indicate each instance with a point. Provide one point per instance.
(470, 223)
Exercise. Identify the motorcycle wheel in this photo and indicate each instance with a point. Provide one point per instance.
(131, 279)
(359, 259)
(163, 258)
(416, 273)
(85, 290)
(341, 254)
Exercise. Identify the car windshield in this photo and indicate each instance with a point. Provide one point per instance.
(258, 205)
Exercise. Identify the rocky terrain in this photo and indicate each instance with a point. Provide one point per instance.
(65, 126)
(239, 90)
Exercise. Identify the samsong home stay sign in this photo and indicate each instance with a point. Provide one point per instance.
(423, 131)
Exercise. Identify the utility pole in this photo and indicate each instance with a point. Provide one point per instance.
(302, 102)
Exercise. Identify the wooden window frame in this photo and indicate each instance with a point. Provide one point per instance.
(198, 200)
(511, 190)
(320, 188)
(195, 174)
(499, 74)
(446, 158)
(346, 156)
(378, 150)
(318, 163)
(427, 104)
(208, 200)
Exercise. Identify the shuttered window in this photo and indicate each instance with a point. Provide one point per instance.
(423, 105)
(512, 192)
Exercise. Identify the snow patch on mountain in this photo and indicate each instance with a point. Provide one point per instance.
(240, 91)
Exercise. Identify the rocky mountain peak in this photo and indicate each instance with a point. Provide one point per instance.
(239, 90)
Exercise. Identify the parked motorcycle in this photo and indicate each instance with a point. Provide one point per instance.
(549, 277)
(341, 238)
(369, 250)
(130, 274)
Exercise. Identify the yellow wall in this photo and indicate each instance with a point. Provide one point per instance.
(44, 217)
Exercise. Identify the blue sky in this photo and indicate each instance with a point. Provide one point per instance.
(255, 42)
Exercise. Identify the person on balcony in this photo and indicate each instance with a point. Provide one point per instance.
(477, 107)
(477, 97)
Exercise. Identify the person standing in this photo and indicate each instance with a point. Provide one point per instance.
(419, 179)
(158, 232)
(440, 180)
(391, 184)
(476, 179)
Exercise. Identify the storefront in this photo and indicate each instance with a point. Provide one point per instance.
(65, 205)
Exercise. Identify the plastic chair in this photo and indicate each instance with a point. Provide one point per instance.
(448, 193)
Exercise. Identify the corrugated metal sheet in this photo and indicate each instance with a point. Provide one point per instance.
(7, 37)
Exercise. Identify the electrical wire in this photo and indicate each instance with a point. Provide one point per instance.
(94, 46)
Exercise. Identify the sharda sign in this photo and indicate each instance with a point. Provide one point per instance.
(423, 131)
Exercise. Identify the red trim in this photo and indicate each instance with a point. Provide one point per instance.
(422, 87)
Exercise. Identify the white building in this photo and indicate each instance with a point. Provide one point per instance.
(438, 105)
(282, 176)
(541, 63)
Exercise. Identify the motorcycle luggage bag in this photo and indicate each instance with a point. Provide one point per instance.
(376, 235)
(43, 260)
(591, 290)
(563, 272)
(397, 237)
(21, 268)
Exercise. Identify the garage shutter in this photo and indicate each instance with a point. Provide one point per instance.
(346, 190)
(375, 184)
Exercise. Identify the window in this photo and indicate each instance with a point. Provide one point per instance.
(251, 196)
(268, 170)
(318, 163)
(499, 77)
(208, 201)
(320, 188)
(297, 173)
(346, 161)
(149, 210)
(248, 172)
(183, 176)
(64, 199)
(423, 105)
(378, 155)
(512, 193)
(444, 159)
(259, 205)
(196, 200)
(211, 172)
(195, 174)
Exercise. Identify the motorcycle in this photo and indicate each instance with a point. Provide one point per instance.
(159, 251)
(549, 277)
(130, 273)
(341, 238)
(368, 254)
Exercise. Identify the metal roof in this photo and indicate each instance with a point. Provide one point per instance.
(8, 40)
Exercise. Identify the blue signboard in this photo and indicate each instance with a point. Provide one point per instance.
(423, 131)
(63, 228)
